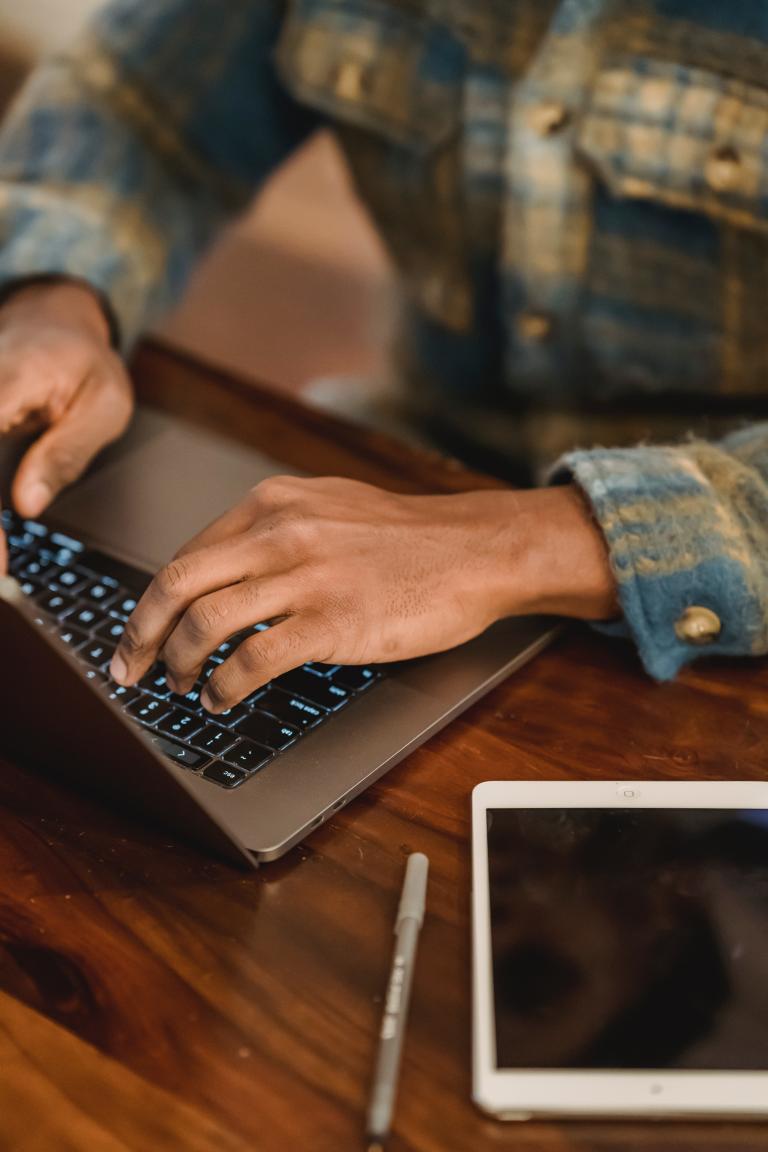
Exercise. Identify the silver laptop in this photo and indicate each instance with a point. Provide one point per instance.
(254, 782)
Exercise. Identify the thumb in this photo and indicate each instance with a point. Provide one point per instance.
(98, 414)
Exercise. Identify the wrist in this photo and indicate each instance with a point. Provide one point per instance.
(551, 556)
(60, 301)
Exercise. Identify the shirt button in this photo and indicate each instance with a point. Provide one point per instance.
(350, 80)
(698, 625)
(723, 169)
(534, 326)
(547, 119)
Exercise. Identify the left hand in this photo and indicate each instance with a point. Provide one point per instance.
(355, 575)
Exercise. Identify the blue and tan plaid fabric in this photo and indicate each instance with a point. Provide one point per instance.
(575, 192)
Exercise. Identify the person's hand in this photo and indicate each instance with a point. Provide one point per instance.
(58, 375)
(353, 575)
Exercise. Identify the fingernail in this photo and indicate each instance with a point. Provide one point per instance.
(118, 668)
(38, 497)
(171, 681)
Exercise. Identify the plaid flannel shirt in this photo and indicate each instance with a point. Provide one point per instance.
(576, 193)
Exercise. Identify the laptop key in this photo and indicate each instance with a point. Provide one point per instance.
(72, 636)
(155, 682)
(124, 605)
(314, 688)
(248, 756)
(187, 757)
(291, 709)
(180, 724)
(225, 775)
(35, 568)
(190, 700)
(267, 730)
(83, 616)
(214, 739)
(119, 694)
(148, 709)
(232, 717)
(101, 591)
(95, 652)
(55, 603)
(69, 579)
(110, 630)
(355, 678)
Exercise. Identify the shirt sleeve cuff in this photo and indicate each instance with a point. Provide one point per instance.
(62, 242)
(680, 556)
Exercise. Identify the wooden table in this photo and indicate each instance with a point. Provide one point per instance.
(153, 999)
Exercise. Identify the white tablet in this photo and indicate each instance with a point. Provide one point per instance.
(620, 949)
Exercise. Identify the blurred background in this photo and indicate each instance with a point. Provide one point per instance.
(298, 289)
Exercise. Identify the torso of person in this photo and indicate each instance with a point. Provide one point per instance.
(576, 194)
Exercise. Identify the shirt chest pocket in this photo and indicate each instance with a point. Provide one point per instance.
(680, 159)
(374, 65)
(390, 80)
(687, 138)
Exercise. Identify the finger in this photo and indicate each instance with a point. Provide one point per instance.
(266, 655)
(175, 587)
(23, 392)
(212, 619)
(98, 414)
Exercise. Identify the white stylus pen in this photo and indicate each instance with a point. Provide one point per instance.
(410, 915)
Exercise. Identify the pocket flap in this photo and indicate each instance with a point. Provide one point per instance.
(685, 137)
(374, 65)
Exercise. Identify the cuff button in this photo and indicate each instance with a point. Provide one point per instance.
(698, 625)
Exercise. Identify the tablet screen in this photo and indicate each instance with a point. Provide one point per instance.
(629, 939)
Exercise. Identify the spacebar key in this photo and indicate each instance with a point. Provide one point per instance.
(187, 757)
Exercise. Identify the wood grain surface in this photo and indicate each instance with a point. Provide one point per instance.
(152, 999)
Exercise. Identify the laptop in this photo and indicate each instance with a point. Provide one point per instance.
(249, 784)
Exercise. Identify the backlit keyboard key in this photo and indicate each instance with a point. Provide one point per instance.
(267, 730)
(355, 678)
(248, 756)
(214, 740)
(148, 709)
(315, 688)
(291, 709)
(55, 603)
(186, 757)
(119, 694)
(183, 725)
(110, 630)
(96, 653)
(72, 636)
(155, 682)
(84, 617)
(225, 775)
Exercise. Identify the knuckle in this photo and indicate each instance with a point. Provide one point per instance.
(217, 691)
(274, 491)
(201, 618)
(253, 656)
(131, 641)
(170, 579)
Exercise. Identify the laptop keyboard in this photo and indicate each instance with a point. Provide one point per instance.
(85, 597)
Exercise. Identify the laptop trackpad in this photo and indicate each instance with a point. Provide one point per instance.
(165, 481)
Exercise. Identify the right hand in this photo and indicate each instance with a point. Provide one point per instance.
(60, 376)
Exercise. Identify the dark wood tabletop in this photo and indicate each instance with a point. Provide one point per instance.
(152, 998)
